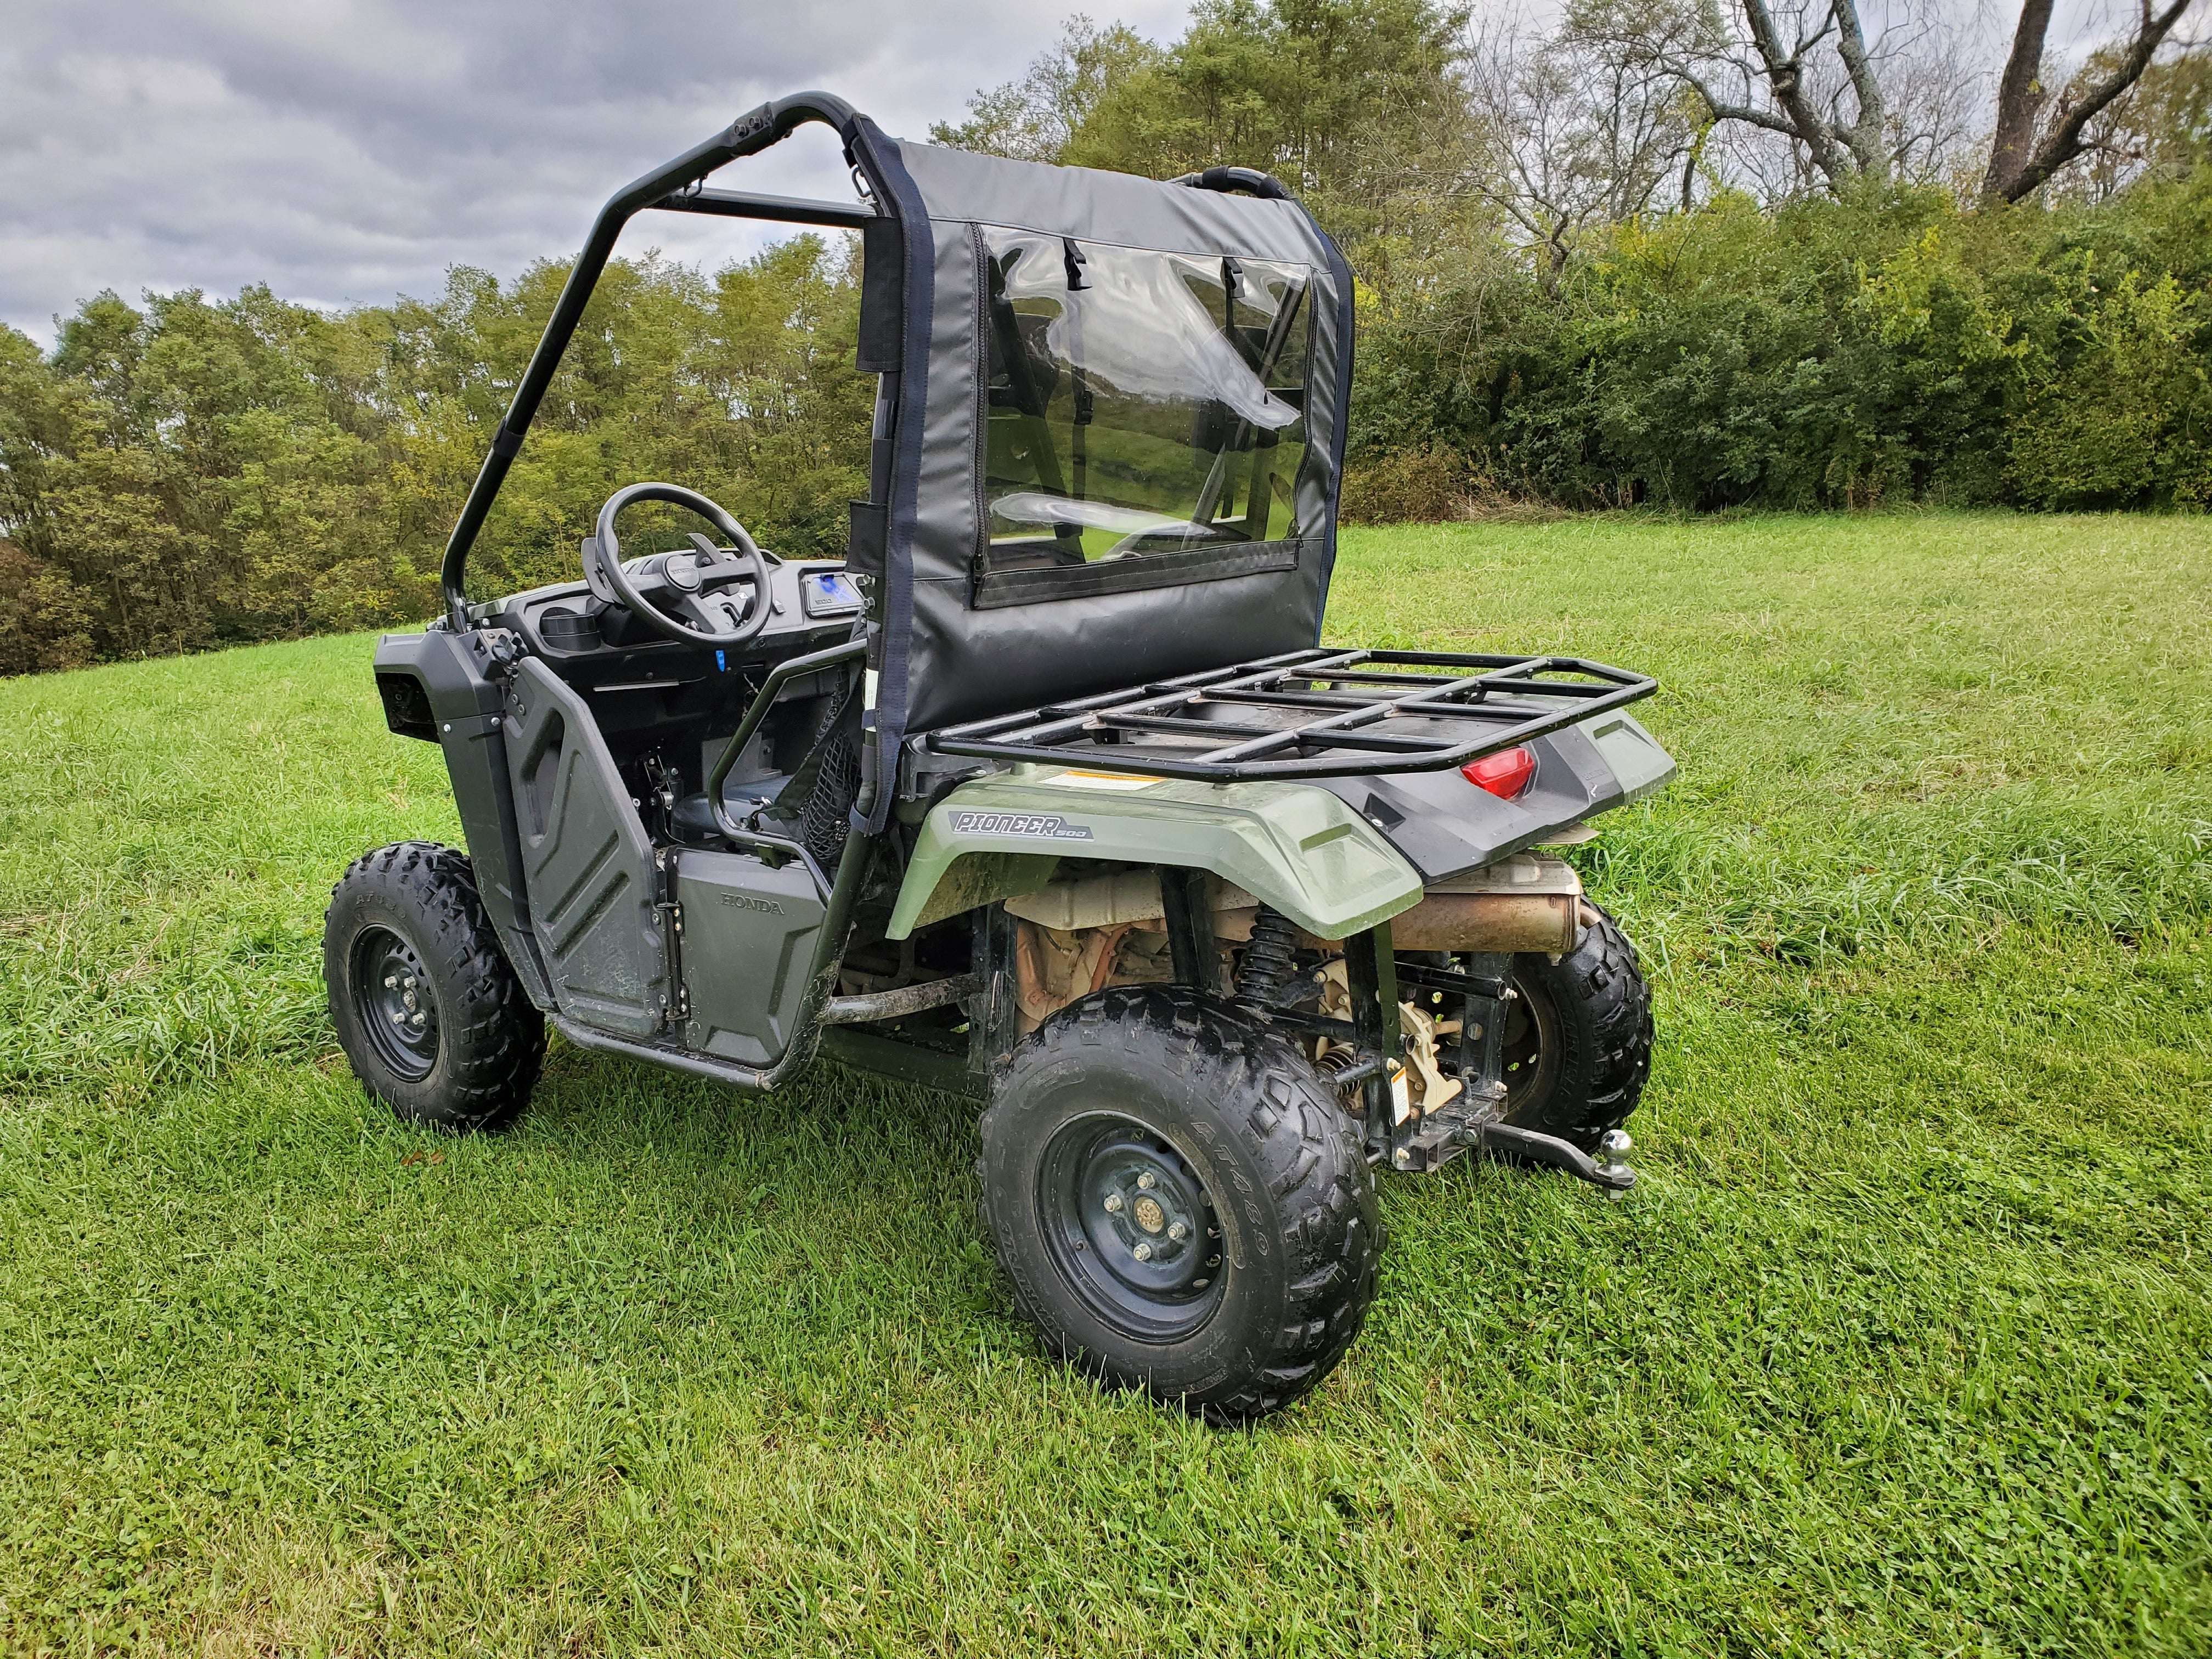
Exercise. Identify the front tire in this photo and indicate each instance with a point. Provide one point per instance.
(1179, 1203)
(427, 1007)
(1578, 1040)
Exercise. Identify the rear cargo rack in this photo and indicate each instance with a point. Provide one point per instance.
(1318, 714)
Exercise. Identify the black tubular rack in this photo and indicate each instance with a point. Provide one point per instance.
(1312, 713)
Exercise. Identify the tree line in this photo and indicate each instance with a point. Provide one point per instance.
(197, 472)
(1663, 253)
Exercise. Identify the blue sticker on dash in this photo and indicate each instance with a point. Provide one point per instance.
(721, 663)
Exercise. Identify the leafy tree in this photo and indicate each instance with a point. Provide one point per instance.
(201, 473)
(1356, 103)
(1584, 277)
(1036, 116)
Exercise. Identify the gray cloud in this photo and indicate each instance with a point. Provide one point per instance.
(344, 151)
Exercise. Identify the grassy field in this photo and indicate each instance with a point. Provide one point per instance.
(1903, 1345)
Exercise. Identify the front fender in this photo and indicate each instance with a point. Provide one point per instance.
(1292, 845)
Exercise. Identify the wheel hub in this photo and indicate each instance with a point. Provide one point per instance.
(393, 999)
(1530, 1052)
(1133, 1226)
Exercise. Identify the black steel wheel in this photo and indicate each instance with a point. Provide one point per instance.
(1578, 1036)
(1132, 1226)
(1179, 1202)
(427, 1005)
(394, 1003)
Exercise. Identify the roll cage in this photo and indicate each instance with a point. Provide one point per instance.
(1194, 662)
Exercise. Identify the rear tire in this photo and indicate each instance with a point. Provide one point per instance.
(427, 1007)
(1179, 1201)
(1578, 1041)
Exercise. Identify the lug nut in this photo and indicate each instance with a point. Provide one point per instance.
(391, 981)
(1146, 1181)
(1113, 1204)
(419, 1016)
(1143, 1253)
(1177, 1230)
(1200, 1284)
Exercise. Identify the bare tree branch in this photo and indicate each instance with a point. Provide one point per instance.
(1864, 135)
(1582, 132)
(1850, 106)
(1785, 79)
(1720, 109)
(2019, 96)
(2020, 163)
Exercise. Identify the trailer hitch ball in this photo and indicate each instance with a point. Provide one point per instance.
(1613, 1146)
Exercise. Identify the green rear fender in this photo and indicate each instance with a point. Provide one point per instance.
(1289, 845)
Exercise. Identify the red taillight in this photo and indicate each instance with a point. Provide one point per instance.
(1506, 773)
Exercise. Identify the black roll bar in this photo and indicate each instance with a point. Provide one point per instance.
(665, 187)
(1250, 180)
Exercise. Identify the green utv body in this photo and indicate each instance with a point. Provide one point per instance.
(1047, 795)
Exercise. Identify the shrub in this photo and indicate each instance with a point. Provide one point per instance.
(1418, 487)
(1834, 353)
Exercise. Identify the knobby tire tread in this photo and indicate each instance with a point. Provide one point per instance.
(1601, 991)
(1317, 1178)
(492, 1033)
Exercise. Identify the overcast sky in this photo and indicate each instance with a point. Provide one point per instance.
(345, 151)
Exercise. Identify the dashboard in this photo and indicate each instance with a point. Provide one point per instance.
(595, 645)
(666, 707)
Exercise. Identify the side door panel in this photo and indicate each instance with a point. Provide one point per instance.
(586, 860)
(748, 936)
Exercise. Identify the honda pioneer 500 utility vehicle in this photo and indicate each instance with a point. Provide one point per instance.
(1046, 793)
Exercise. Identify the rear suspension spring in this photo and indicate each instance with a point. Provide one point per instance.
(1266, 967)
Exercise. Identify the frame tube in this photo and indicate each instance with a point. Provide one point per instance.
(779, 210)
(851, 651)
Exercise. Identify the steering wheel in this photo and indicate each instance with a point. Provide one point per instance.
(698, 616)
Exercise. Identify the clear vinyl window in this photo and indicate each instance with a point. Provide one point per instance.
(1138, 404)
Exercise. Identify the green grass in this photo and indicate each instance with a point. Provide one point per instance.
(1903, 1345)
